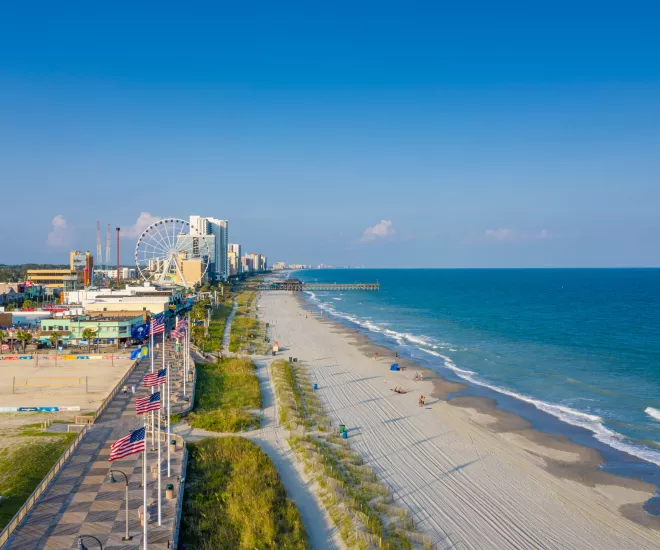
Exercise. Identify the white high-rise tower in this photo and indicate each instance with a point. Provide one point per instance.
(220, 230)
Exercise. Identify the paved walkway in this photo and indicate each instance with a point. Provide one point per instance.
(226, 335)
(78, 501)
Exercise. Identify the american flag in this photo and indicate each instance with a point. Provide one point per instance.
(128, 445)
(146, 404)
(182, 324)
(157, 325)
(176, 333)
(155, 378)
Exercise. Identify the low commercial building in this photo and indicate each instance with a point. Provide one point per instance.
(134, 298)
(108, 327)
(125, 274)
(56, 279)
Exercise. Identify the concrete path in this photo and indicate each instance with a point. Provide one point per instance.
(226, 335)
(272, 438)
(79, 502)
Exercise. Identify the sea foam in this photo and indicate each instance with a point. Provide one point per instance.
(590, 422)
(653, 413)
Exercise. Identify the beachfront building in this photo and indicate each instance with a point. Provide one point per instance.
(219, 229)
(153, 299)
(108, 327)
(279, 266)
(234, 257)
(256, 263)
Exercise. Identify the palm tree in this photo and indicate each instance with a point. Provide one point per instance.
(3, 337)
(88, 334)
(24, 337)
(54, 338)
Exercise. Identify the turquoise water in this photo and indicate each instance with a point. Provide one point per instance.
(575, 350)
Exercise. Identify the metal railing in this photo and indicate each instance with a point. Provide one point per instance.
(32, 499)
(115, 391)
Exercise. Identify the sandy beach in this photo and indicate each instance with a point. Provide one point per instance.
(471, 475)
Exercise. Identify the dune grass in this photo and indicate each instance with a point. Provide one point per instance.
(227, 393)
(235, 499)
(247, 332)
(213, 341)
(23, 466)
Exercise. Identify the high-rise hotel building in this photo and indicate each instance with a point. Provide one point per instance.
(220, 230)
(234, 259)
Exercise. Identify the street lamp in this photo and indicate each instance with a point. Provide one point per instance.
(81, 544)
(110, 479)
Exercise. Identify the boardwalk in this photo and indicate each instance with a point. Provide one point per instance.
(79, 502)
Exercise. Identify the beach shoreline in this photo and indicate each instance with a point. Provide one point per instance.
(566, 468)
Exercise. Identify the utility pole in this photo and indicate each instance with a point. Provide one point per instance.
(99, 252)
(118, 260)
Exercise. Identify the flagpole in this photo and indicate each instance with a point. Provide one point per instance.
(160, 466)
(144, 471)
(185, 355)
(151, 354)
(169, 472)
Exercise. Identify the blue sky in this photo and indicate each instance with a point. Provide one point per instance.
(367, 133)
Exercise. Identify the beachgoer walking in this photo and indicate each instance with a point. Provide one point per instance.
(421, 377)
(124, 389)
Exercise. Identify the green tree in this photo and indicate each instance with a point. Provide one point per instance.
(3, 337)
(28, 304)
(10, 307)
(55, 338)
(24, 337)
(89, 335)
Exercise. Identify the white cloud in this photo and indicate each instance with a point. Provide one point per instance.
(501, 234)
(379, 231)
(510, 235)
(60, 234)
(143, 221)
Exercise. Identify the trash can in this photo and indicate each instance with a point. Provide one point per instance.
(173, 445)
(169, 491)
(316, 386)
(342, 428)
(344, 435)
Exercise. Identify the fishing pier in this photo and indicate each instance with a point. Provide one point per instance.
(295, 285)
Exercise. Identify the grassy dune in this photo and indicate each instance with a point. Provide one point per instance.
(23, 465)
(227, 393)
(235, 499)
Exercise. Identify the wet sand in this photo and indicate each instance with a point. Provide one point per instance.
(473, 475)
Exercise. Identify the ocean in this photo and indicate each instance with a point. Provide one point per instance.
(575, 351)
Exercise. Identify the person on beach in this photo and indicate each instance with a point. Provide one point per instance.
(376, 355)
(420, 403)
(416, 376)
(421, 377)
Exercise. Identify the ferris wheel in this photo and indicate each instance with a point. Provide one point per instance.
(168, 253)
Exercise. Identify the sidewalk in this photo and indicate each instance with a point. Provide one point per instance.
(79, 502)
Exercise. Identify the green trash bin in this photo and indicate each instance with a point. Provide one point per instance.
(342, 428)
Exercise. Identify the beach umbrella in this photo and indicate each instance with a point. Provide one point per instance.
(395, 366)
